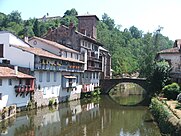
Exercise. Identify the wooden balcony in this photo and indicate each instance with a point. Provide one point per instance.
(23, 88)
(94, 59)
(71, 68)
(93, 68)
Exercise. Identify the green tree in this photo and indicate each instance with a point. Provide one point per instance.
(171, 91)
(108, 21)
(15, 16)
(135, 32)
(159, 77)
(67, 19)
(71, 12)
(36, 28)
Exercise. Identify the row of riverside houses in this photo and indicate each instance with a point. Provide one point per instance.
(60, 66)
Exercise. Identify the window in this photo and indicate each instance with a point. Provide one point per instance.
(77, 56)
(40, 76)
(94, 74)
(1, 50)
(0, 82)
(77, 79)
(55, 76)
(10, 81)
(0, 96)
(48, 76)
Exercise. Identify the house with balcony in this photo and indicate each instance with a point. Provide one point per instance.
(15, 87)
(71, 72)
(173, 57)
(96, 58)
(57, 77)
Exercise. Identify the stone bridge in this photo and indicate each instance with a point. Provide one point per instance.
(107, 84)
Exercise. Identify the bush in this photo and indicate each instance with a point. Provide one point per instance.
(51, 102)
(171, 91)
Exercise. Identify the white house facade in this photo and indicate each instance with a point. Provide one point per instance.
(48, 69)
(15, 87)
(70, 76)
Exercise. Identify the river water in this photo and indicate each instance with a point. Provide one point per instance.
(101, 116)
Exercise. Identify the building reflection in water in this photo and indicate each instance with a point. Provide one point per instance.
(82, 118)
(67, 118)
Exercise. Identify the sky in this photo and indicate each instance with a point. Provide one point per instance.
(146, 15)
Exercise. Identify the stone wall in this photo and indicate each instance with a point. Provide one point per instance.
(40, 101)
(167, 121)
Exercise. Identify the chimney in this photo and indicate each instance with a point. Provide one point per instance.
(26, 39)
(71, 25)
(16, 70)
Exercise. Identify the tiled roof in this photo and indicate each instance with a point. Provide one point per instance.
(169, 51)
(9, 72)
(43, 53)
(79, 16)
(54, 44)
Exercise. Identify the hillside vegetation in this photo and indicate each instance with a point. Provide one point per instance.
(131, 49)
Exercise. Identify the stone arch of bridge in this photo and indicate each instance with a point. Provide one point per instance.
(108, 84)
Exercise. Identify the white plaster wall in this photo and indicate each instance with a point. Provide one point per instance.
(16, 56)
(45, 46)
(175, 59)
(9, 94)
(50, 89)
(71, 91)
(83, 50)
(49, 48)
(16, 41)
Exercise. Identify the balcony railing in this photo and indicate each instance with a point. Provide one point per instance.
(177, 69)
(59, 67)
(23, 88)
(94, 59)
(75, 68)
(92, 68)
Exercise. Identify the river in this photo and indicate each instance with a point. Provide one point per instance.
(100, 116)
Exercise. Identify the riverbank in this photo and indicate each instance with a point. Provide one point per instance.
(166, 116)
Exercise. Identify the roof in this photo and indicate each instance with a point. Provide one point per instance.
(9, 72)
(12, 34)
(57, 45)
(170, 51)
(80, 16)
(103, 49)
(43, 53)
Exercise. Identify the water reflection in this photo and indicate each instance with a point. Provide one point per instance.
(127, 94)
(83, 118)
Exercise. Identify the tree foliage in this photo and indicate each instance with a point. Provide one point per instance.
(171, 91)
(159, 77)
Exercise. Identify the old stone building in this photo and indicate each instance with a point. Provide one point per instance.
(97, 59)
(173, 57)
